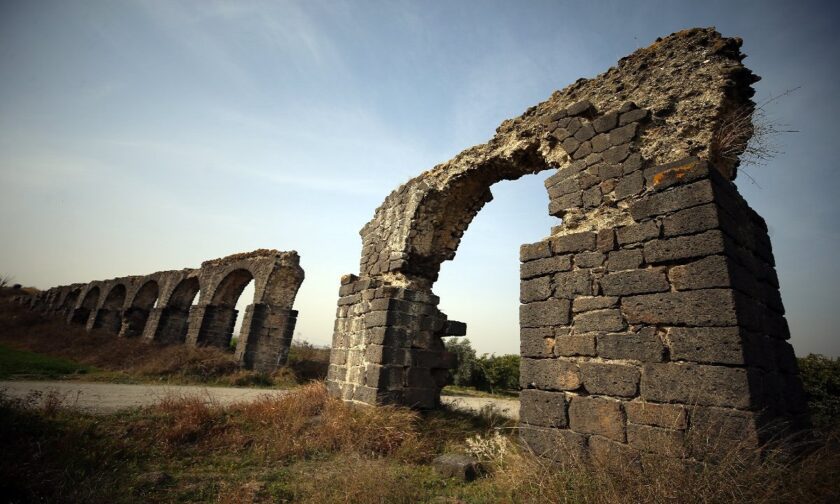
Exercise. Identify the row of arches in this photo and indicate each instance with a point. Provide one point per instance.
(195, 306)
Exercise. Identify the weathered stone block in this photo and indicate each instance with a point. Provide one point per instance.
(529, 252)
(709, 272)
(568, 285)
(629, 185)
(575, 242)
(600, 142)
(458, 466)
(691, 220)
(610, 379)
(685, 247)
(606, 122)
(623, 134)
(552, 312)
(599, 320)
(657, 440)
(709, 307)
(588, 303)
(637, 115)
(672, 200)
(574, 345)
(618, 456)
(537, 289)
(635, 282)
(560, 445)
(547, 266)
(636, 233)
(617, 154)
(536, 341)
(627, 259)
(545, 409)
(549, 374)
(644, 346)
(589, 259)
(712, 345)
(669, 416)
(558, 206)
(606, 240)
(581, 108)
(593, 415)
(697, 384)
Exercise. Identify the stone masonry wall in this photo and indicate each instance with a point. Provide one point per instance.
(651, 320)
(158, 307)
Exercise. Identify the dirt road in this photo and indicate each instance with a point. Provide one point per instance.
(111, 397)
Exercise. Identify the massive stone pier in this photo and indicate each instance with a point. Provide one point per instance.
(651, 320)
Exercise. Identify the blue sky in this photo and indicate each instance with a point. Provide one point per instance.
(137, 136)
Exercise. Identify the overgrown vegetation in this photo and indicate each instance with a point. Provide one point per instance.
(308, 447)
(821, 378)
(488, 373)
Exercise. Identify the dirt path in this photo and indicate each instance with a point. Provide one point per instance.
(111, 397)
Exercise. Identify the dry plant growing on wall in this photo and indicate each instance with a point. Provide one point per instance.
(750, 134)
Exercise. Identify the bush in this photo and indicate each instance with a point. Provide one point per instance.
(821, 378)
(490, 373)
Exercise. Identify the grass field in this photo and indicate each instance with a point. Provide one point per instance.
(20, 364)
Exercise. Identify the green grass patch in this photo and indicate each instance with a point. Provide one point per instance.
(16, 363)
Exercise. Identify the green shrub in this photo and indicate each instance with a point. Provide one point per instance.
(821, 378)
(490, 373)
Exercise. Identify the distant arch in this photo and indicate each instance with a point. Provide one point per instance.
(81, 314)
(174, 318)
(109, 316)
(220, 315)
(135, 317)
(230, 288)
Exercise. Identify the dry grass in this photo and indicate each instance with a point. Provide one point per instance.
(309, 447)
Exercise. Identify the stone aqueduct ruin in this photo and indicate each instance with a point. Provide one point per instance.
(651, 321)
(158, 307)
(651, 311)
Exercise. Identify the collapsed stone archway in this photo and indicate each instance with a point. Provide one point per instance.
(653, 308)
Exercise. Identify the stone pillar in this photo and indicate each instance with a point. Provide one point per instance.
(211, 325)
(105, 318)
(133, 322)
(387, 346)
(632, 333)
(266, 337)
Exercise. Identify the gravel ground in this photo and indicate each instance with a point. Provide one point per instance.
(110, 397)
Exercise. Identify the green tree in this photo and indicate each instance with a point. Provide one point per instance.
(462, 375)
(821, 378)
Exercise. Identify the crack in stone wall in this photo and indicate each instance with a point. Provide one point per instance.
(158, 307)
(651, 317)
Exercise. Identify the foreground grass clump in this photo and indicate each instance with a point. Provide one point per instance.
(187, 450)
(308, 447)
(106, 357)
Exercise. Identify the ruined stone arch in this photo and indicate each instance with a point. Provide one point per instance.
(172, 315)
(226, 293)
(88, 303)
(139, 307)
(109, 315)
(652, 305)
